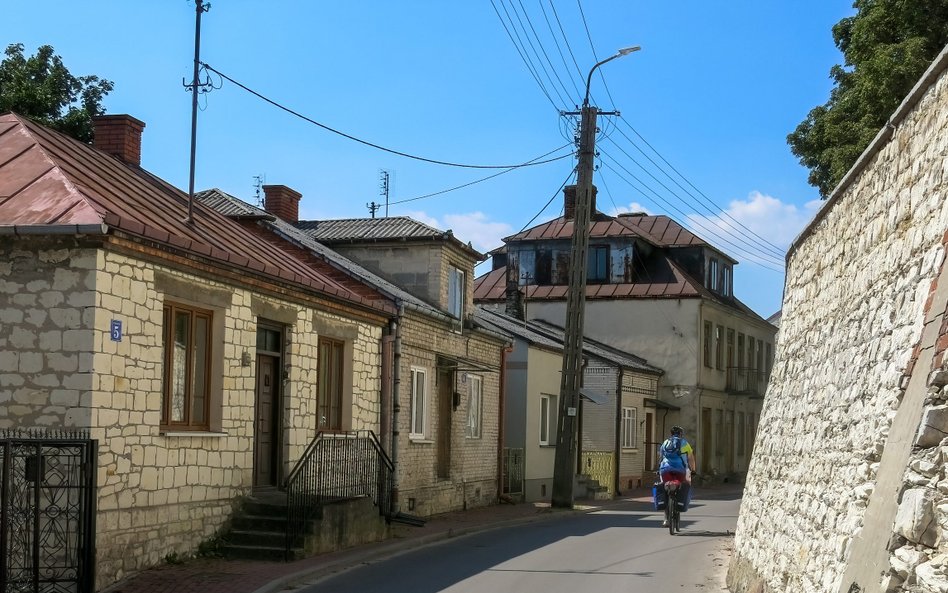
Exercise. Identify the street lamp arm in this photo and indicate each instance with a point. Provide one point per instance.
(622, 52)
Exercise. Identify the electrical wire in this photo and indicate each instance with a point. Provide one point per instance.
(476, 181)
(569, 48)
(706, 198)
(542, 49)
(536, 53)
(751, 246)
(592, 46)
(367, 143)
(550, 201)
(523, 56)
(559, 50)
(753, 257)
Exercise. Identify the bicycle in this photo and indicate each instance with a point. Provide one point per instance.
(672, 512)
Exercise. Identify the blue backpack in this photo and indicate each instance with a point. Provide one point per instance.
(671, 448)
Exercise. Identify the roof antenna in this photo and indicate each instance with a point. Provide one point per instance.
(258, 180)
(373, 208)
(384, 186)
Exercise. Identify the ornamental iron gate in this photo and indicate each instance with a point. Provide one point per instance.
(513, 472)
(47, 512)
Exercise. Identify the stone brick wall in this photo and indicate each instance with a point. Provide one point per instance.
(473, 471)
(159, 492)
(853, 313)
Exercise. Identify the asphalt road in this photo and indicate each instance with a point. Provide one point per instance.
(622, 548)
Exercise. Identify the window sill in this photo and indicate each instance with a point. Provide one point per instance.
(420, 441)
(191, 433)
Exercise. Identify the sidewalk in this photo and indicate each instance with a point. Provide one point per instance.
(215, 575)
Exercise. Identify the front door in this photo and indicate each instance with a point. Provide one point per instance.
(266, 425)
(445, 409)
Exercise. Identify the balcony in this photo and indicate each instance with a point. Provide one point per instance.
(746, 381)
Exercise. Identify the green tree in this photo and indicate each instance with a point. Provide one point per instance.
(41, 88)
(886, 45)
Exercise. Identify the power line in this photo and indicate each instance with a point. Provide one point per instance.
(756, 245)
(367, 143)
(523, 56)
(592, 46)
(542, 48)
(706, 198)
(470, 183)
(559, 50)
(762, 260)
(579, 71)
(550, 201)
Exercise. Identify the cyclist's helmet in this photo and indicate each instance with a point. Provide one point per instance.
(677, 431)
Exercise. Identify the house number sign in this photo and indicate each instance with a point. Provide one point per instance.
(115, 330)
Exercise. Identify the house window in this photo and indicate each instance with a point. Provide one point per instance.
(186, 334)
(730, 347)
(769, 359)
(544, 267)
(714, 268)
(456, 293)
(628, 428)
(760, 355)
(597, 264)
(329, 383)
(547, 419)
(726, 280)
(740, 350)
(750, 352)
(707, 344)
(419, 403)
(741, 434)
(475, 407)
(718, 347)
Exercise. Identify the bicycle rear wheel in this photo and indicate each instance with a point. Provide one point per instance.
(672, 512)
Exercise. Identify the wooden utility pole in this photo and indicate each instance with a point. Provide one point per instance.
(565, 462)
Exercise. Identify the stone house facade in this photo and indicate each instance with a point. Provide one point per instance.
(614, 427)
(189, 350)
(658, 290)
(846, 489)
(442, 399)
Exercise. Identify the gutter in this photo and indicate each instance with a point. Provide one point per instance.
(54, 229)
(938, 66)
(617, 453)
(501, 420)
(396, 406)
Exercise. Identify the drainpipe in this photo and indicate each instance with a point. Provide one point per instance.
(385, 422)
(618, 448)
(500, 419)
(396, 405)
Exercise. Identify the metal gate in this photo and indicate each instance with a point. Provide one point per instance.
(47, 512)
(513, 472)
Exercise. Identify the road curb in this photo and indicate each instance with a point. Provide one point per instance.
(395, 548)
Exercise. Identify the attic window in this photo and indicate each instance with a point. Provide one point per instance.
(456, 293)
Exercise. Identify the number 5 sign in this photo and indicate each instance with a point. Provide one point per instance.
(115, 330)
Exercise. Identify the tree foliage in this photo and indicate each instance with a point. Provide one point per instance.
(41, 88)
(886, 46)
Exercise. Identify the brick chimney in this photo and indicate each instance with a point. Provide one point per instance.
(120, 136)
(283, 202)
(569, 202)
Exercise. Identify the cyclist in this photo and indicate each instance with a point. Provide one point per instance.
(677, 461)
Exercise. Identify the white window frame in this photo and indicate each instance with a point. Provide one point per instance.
(547, 422)
(629, 418)
(456, 289)
(475, 407)
(419, 413)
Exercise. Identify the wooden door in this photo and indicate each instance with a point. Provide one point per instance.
(704, 452)
(266, 422)
(445, 409)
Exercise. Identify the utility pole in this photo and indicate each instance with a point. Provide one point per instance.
(195, 87)
(373, 208)
(564, 465)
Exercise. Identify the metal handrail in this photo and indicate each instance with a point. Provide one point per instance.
(336, 466)
(746, 380)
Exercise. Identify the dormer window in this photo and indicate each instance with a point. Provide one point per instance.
(456, 293)
(597, 265)
(726, 280)
(720, 277)
(714, 271)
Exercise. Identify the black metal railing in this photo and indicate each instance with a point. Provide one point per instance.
(336, 466)
(745, 380)
(47, 512)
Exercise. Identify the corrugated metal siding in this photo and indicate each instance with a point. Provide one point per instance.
(599, 432)
(347, 229)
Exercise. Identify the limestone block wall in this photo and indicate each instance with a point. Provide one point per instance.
(854, 306)
(473, 462)
(160, 492)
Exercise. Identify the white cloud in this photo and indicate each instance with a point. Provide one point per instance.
(632, 207)
(754, 225)
(473, 227)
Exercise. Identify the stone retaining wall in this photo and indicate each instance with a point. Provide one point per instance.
(832, 449)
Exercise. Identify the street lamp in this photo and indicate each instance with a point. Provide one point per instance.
(571, 377)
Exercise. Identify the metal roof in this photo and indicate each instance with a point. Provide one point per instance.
(542, 333)
(233, 206)
(50, 183)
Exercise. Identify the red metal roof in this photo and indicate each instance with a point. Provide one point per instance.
(661, 230)
(48, 179)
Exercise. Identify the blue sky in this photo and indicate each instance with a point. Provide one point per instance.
(715, 90)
